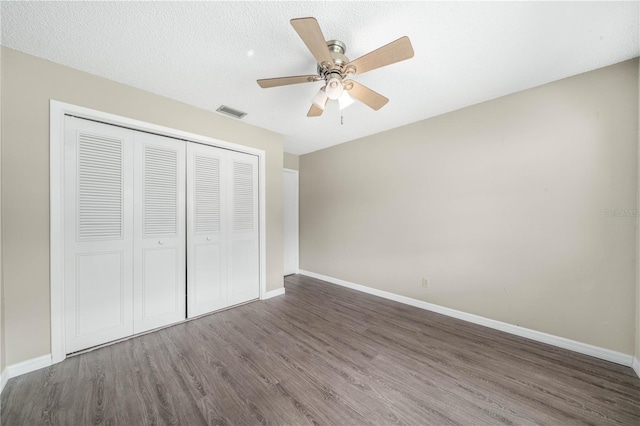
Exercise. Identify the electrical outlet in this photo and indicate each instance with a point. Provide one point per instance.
(425, 282)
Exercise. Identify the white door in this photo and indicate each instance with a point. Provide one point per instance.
(290, 221)
(160, 236)
(98, 232)
(153, 227)
(206, 229)
(222, 229)
(125, 238)
(244, 275)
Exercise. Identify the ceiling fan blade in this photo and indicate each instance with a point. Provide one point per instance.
(315, 110)
(310, 32)
(391, 53)
(283, 81)
(367, 96)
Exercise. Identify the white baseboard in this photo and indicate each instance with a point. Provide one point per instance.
(4, 378)
(273, 293)
(572, 345)
(636, 366)
(24, 367)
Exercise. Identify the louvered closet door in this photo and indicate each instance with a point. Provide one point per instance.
(243, 229)
(160, 236)
(207, 206)
(98, 229)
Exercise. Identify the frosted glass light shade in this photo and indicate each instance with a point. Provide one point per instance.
(320, 99)
(334, 88)
(345, 100)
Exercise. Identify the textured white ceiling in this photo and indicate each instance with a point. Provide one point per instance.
(211, 53)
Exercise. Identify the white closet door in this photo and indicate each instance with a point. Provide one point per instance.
(243, 230)
(98, 231)
(160, 236)
(206, 229)
(153, 226)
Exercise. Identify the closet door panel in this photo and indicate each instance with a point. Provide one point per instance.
(243, 231)
(161, 291)
(100, 295)
(208, 277)
(244, 272)
(160, 246)
(98, 233)
(207, 287)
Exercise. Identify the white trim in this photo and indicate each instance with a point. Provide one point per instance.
(273, 293)
(297, 174)
(636, 366)
(262, 224)
(56, 229)
(24, 367)
(57, 112)
(4, 378)
(561, 342)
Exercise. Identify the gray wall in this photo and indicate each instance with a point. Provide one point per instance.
(291, 161)
(502, 206)
(28, 83)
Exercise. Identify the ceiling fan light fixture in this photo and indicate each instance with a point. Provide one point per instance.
(334, 88)
(345, 100)
(320, 99)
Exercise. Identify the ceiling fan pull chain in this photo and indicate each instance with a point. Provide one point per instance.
(341, 119)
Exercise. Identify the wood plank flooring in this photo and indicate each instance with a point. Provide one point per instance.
(325, 355)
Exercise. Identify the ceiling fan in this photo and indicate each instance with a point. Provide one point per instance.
(335, 69)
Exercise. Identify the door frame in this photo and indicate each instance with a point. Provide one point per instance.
(296, 173)
(57, 112)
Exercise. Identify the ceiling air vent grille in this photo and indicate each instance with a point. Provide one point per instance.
(231, 112)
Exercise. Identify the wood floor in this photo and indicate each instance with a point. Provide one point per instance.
(322, 354)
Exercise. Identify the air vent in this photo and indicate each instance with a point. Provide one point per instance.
(231, 112)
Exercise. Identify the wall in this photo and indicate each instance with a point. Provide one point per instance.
(637, 336)
(502, 206)
(2, 347)
(291, 161)
(28, 83)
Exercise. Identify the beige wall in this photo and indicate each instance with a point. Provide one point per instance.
(28, 84)
(638, 239)
(2, 348)
(291, 161)
(501, 205)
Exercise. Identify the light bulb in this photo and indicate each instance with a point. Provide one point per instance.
(320, 99)
(345, 100)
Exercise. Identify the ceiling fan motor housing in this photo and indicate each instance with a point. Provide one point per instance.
(337, 50)
(333, 75)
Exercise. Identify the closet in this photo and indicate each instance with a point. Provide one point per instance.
(156, 230)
